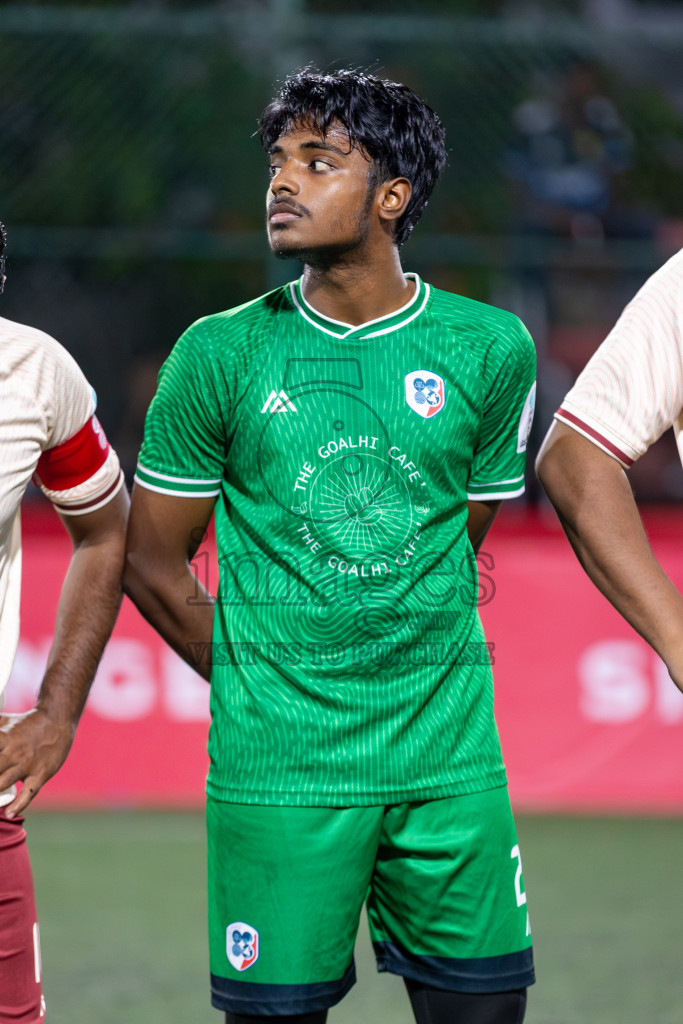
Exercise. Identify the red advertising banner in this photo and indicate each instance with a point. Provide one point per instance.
(589, 719)
(588, 716)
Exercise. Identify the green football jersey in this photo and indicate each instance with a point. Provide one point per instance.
(349, 662)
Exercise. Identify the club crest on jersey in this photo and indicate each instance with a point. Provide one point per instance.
(425, 392)
(241, 945)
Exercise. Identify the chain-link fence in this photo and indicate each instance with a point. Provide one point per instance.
(132, 183)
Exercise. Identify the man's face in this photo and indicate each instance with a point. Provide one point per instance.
(318, 203)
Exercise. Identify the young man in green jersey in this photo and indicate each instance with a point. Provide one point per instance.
(354, 433)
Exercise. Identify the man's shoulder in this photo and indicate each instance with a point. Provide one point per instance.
(672, 267)
(664, 288)
(40, 382)
(23, 346)
(482, 326)
(246, 316)
(462, 309)
(21, 336)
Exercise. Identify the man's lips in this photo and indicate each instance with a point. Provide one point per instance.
(283, 213)
(283, 216)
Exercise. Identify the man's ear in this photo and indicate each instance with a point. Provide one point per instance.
(393, 198)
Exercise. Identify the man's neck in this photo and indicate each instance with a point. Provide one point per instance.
(356, 293)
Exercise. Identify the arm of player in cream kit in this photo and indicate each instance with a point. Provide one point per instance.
(164, 532)
(595, 504)
(34, 745)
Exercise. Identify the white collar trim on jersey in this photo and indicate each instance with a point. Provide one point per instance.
(399, 318)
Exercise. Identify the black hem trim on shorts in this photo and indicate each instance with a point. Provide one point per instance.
(477, 974)
(248, 997)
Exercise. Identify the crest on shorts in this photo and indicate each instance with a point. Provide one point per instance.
(425, 392)
(241, 945)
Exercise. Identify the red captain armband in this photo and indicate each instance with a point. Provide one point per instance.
(74, 461)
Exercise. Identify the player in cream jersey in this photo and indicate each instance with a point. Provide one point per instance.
(629, 393)
(48, 431)
(47, 422)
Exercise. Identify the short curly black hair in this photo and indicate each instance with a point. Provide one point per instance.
(3, 249)
(400, 133)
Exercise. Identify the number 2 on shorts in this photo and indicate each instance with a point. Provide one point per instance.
(521, 896)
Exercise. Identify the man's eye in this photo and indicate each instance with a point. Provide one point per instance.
(320, 165)
(272, 170)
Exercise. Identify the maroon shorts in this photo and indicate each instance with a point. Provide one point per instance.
(21, 997)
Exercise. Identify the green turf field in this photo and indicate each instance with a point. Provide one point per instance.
(121, 902)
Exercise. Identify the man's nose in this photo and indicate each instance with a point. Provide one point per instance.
(284, 182)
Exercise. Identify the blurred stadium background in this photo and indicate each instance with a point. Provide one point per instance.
(132, 188)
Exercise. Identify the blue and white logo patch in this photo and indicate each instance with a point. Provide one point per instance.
(425, 392)
(241, 945)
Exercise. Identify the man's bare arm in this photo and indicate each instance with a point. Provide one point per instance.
(164, 533)
(596, 507)
(480, 516)
(33, 746)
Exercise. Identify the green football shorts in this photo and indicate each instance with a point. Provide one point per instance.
(442, 880)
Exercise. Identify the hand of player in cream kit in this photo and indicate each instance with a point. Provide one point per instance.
(33, 746)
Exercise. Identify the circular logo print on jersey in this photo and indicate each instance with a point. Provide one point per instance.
(328, 426)
(241, 945)
(425, 392)
(360, 506)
